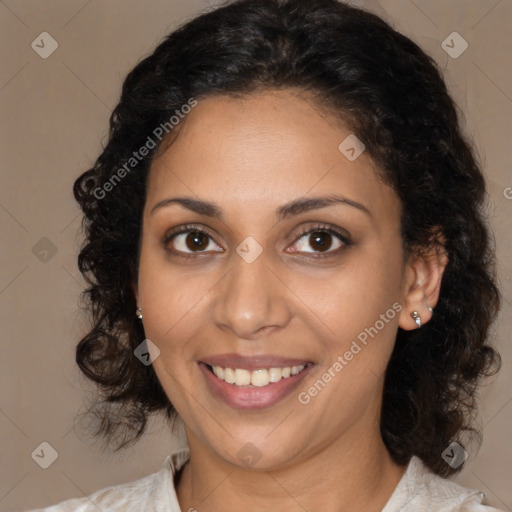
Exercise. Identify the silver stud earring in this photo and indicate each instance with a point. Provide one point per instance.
(138, 313)
(417, 318)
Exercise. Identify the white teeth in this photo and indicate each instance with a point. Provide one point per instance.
(275, 374)
(242, 377)
(219, 372)
(258, 378)
(229, 375)
(296, 369)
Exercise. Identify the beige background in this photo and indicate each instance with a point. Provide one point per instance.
(54, 116)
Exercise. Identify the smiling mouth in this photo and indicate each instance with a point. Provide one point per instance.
(256, 378)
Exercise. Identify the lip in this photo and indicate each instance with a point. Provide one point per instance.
(252, 363)
(252, 397)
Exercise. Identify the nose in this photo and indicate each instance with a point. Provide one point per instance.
(251, 300)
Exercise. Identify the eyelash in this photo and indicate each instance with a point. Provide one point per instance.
(191, 228)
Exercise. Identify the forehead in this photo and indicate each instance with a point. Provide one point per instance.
(261, 150)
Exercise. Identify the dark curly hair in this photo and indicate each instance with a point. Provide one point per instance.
(388, 92)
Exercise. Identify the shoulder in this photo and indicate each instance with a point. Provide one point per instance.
(421, 490)
(152, 493)
(126, 496)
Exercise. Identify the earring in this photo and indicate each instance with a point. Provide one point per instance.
(417, 318)
(138, 313)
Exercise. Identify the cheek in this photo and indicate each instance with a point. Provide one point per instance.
(172, 309)
(344, 302)
(358, 309)
(360, 321)
(162, 296)
(174, 302)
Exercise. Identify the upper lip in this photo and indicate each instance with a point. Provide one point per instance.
(252, 362)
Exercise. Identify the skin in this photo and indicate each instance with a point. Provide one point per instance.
(250, 156)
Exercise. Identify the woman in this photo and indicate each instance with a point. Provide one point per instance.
(286, 248)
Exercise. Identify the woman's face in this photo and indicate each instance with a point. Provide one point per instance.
(258, 292)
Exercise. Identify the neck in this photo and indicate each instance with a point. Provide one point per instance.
(353, 473)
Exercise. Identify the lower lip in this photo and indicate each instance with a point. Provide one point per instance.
(247, 397)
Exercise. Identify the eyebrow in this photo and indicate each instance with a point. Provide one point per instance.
(295, 207)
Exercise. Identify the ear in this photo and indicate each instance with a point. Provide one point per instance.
(135, 289)
(423, 275)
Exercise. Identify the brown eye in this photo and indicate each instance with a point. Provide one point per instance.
(320, 240)
(189, 240)
(196, 241)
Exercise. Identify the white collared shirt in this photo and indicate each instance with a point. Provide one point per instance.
(419, 490)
